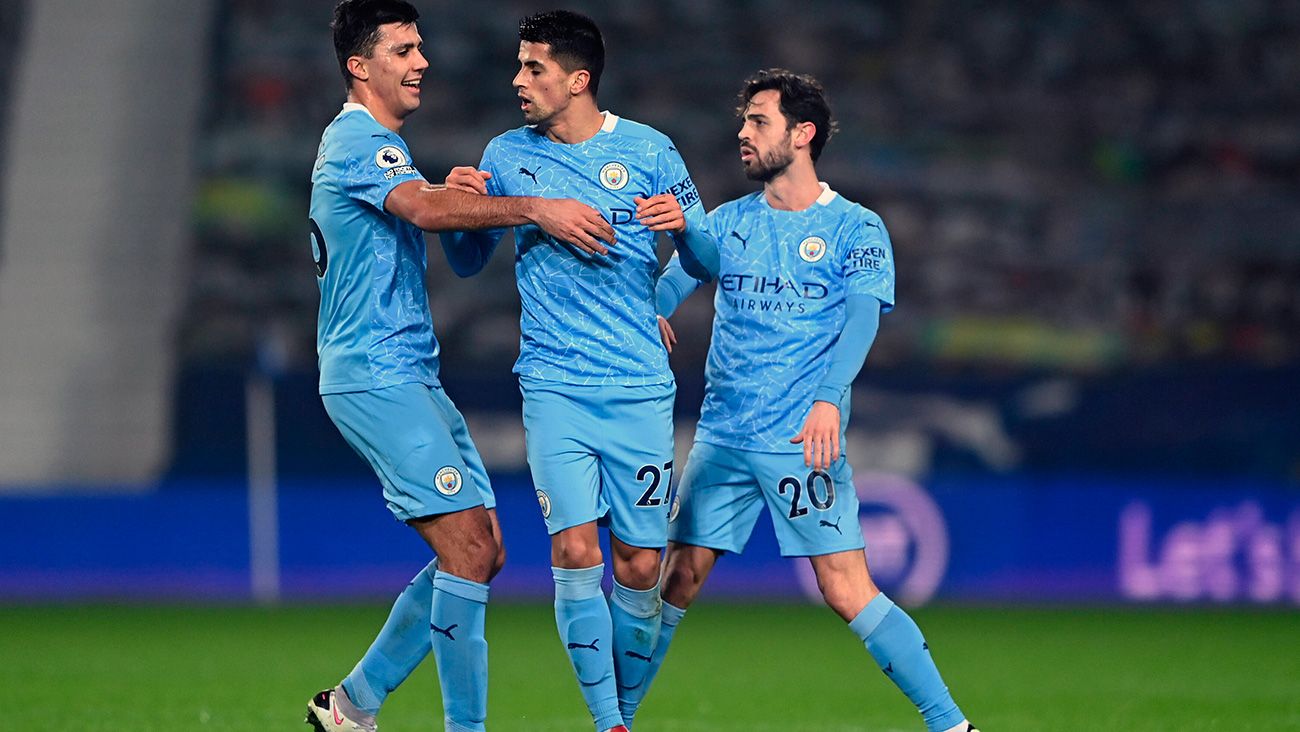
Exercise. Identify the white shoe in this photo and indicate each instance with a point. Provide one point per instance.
(324, 715)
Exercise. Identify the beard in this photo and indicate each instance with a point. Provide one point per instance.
(766, 166)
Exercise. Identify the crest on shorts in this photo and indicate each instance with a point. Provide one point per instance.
(614, 176)
(448, 481)
(674, 507)
(812, 249)
(544, 501)
(390, 156)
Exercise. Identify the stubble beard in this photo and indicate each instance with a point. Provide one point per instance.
(767, 166)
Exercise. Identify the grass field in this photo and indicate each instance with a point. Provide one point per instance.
(759, 668)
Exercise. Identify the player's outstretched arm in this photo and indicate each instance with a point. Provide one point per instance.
(439, 208)
(820, 435)
(690, 233)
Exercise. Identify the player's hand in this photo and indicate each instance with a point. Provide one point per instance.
(820, 436)
(576, 223)
(666, 334)
(469, 179)
(661, 213)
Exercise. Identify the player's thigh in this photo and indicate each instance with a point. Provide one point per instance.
(476, 474)
(634, 439)
(718, 500)
(401, 433)
(565, 469)
(813, 512)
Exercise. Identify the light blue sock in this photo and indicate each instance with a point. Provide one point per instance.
(892, 638)
(582, 616)
(456, 628)
(401, 645)
(636, 616)
(670, 616)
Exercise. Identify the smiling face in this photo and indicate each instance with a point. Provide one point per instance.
(545, 89)
(393, 72)
(766, 139)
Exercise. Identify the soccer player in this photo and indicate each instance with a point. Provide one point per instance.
(598, 394)
(805, 277)
(379, 362)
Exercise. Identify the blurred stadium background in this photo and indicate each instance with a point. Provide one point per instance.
(1089, 392)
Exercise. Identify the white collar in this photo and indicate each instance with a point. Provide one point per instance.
(827, 194)
(353, 107)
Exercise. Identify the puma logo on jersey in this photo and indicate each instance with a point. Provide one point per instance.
(744, 243)
(529, 173)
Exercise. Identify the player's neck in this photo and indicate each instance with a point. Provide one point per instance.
(579, 123)
(382, 116)
(793, 189)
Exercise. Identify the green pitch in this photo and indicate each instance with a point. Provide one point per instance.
(756, 668)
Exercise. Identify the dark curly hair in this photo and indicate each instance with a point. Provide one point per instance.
(802, 99)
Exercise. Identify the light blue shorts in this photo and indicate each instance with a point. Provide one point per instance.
(602, 453)
(723, 490)
(418, 445)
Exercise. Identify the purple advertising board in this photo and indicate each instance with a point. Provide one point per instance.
(982, 539)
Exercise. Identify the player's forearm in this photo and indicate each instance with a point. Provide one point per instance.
(699, 251)
(441, 209)
(673, 287)
(861, 322)
(469, 251)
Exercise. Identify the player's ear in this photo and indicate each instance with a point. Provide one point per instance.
(579, 81)
(357, 67)
(804, 132)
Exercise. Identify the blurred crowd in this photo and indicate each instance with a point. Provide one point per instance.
(1079, 185)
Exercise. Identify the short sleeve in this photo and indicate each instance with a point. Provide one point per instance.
(869, 263)
(673, 178)
(381, 164)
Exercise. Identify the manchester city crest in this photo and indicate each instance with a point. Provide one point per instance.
(614, 176)
(447, 481)
(544, 501)
(812, 249)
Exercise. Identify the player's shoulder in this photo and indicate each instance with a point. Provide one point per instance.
(355, 127)
(519, 137)
(850, 213)
(622, 127)
(355, 119)
(738, 206)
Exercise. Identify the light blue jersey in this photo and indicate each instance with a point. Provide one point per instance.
(780, 306)
(374, 329)
(591, 320)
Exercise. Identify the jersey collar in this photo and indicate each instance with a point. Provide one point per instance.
(827, 194)
(611, 120)
(353, 107)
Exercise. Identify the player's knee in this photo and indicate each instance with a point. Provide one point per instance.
(499, 560)
(681, 583)
(845, 597)
(575, 551)
(640, 570)
(475, 557)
